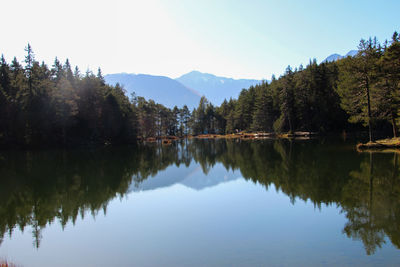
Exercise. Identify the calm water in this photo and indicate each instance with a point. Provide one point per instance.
(201, 203)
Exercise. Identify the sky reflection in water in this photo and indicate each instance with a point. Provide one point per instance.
(213, 203)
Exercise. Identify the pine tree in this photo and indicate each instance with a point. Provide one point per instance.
(210, 118)
(357, 77)
(199, 123)
(29, 61)
(5, 99)
(28, 97)
(244, 108)
(263, 110)
(221, 114)
(65, 105)
(100, 77)
(287, 105)
(388, 84)
(68, 73)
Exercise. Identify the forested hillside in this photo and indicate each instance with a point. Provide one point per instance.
(42, 106)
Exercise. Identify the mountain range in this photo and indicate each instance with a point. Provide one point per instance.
(215, 88)
(161, 89)
(335, 57)
(188, 88)
(185, 90)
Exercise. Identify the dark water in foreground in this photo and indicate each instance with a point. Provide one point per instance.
(201, 203)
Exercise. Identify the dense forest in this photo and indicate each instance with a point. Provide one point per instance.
(323, 98)
(42, 106)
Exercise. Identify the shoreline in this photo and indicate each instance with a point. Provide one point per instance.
(241, 135)
(382, 144)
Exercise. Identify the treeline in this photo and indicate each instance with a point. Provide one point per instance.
(42, 106)
(57, 106)
(156, 120)
(325, 97)
(348, 94)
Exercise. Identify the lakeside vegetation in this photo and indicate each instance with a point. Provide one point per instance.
(56, 106)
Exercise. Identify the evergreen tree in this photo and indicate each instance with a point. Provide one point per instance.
(210, 118)
(100, 77)
(57, 71)
(356, 83)
(388, 84)
(29, 61)
(174, 121)
(263, 113)
(184, 117)
(221, 114)
(199, 123)
(244, 108)
(5, 99)
(65, 105)
(286, 120)
(68, 73)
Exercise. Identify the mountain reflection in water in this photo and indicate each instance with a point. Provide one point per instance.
(40, 187)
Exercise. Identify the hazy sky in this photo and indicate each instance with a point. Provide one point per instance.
(240, 39)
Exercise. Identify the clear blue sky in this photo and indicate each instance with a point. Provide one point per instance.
(239, 39)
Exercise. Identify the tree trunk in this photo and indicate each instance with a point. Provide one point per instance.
(394, 126)
(290, 124)
(369, 110)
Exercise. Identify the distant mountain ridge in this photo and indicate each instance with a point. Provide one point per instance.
(188, 88)
(161, 89)
(185, 90)
(335, 57)
(215, 88)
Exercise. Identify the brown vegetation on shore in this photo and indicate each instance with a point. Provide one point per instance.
(240, 135)
(166, 141)
(4, 263)
(257, 135)
(390, 143)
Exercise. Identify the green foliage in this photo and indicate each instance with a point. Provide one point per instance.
(287, 101)
(184, 119)
(203, 118)
(318, 98)
(263, 115)
(55, 107)
(357, 80)
(388, 84)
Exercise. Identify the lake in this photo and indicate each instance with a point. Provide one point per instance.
(202, 203)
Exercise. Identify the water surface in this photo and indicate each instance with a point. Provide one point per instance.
(201, 203)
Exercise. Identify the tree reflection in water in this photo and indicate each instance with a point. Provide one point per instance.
(40, 187)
